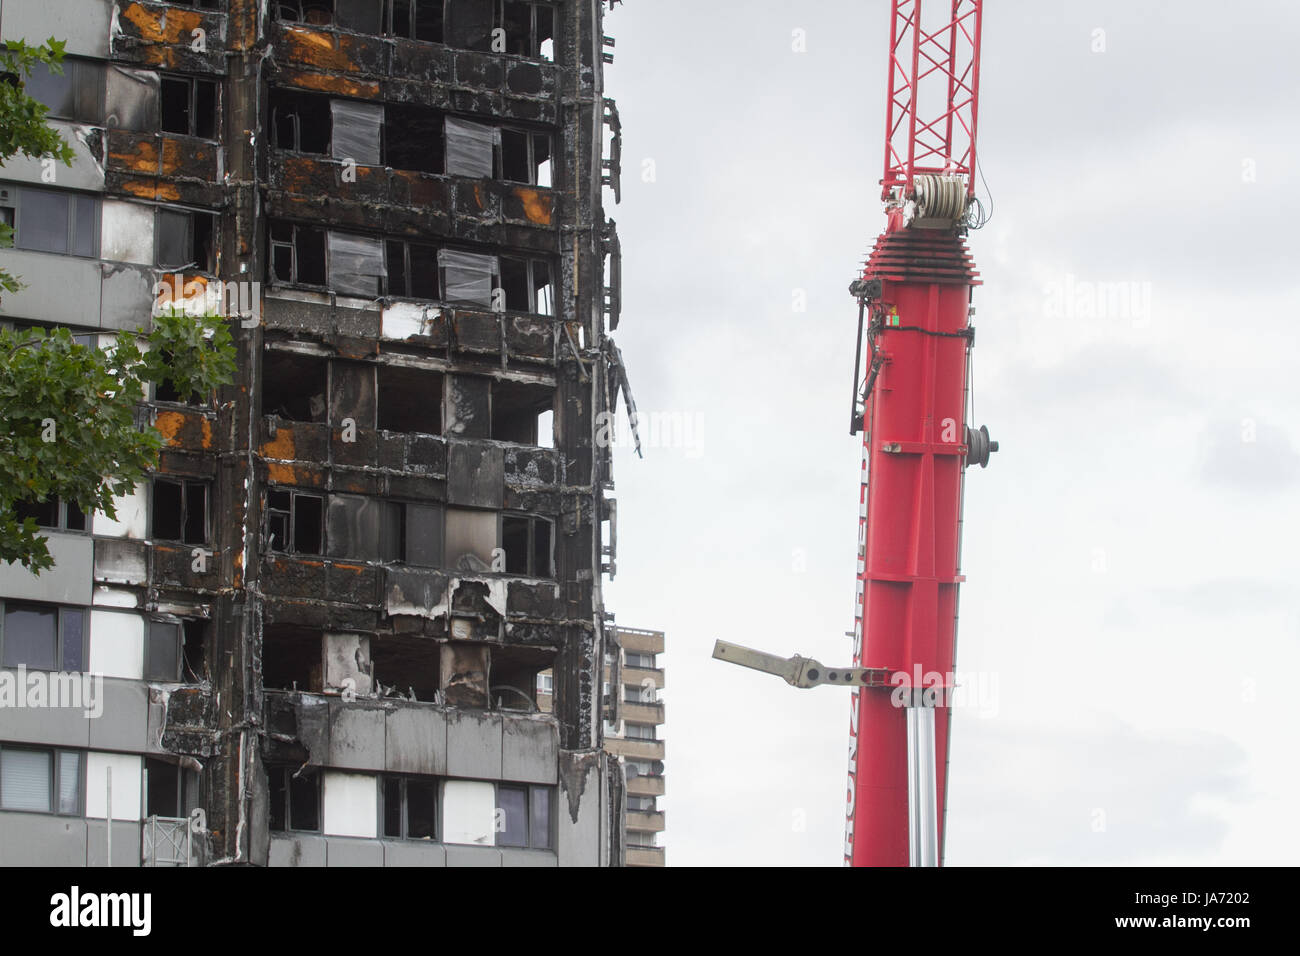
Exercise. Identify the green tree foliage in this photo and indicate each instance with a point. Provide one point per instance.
(72, 425)
(23, 130)
(70, 419)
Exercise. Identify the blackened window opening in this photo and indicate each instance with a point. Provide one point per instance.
(526, 541)
(291, 658)
(413, 138)
(410, 400)
(295, 521)
(188, 106)
(180, 511)
(412, 269)
(405, 666)
(300, 122)
(294, 386)
(194, 637)
(297, 254)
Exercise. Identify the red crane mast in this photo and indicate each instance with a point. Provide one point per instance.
(914, 308)
(915, 293)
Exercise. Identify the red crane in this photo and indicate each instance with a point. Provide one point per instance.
(914, 308)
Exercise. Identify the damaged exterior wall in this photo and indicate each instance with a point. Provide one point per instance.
(374, 594)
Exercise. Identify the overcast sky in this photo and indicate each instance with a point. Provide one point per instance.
(1131, 608)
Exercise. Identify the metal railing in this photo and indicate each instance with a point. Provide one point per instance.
(168, 842)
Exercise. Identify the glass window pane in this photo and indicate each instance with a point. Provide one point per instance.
(424, 535)
(69, 782)
(173, 239)
(85, 226)
(392, 807)
(29, 636)
(304, 803)
(76, 517)
(164, 639)
(163, 796)
(420, 809)
(361, 16)
(25, 779)
(88, 78)
(545, 289)
(276, 799)
(44, 513)
(56, 92)
(392, 520)
(74, 641)
(512, 816)
(540, 823)
(43, 221)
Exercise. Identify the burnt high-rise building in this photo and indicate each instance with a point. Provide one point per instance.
(319, 625)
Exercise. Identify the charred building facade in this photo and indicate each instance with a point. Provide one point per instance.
(319, 626)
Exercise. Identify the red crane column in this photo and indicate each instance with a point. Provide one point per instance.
(915, 438)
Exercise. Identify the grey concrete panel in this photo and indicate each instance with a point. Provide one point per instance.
(305, 312)
(414, 853)
(356, 736)
(416, 740)
(473, 856)
(127, 843)
(297, 850)
(83, 24)
(474, 744)
(41, 839)
(62, 289)
(340, 852)
(127, 297)
(52, 726)
(475, 475)
(513, 857)
(68, 582)
(314, 726)
(530, 749)
(85, 174)
(121, 561)
(578, 810)
(131, 98)
(124, 724)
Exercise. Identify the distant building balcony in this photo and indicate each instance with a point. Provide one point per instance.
(645, 786)
(640, 641)
(645, 821)
(645, 856)
(636, 749)
(639, 712)
(636, 676)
